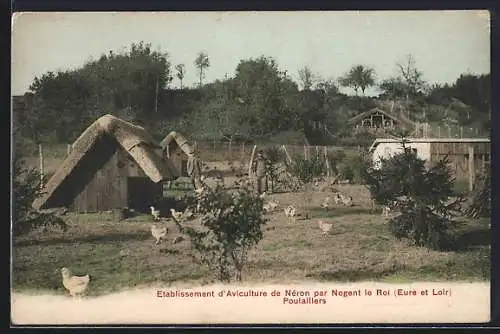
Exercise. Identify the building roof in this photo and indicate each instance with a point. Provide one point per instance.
(398, 118)
(179, 140)
(429, 140)
(132, 138)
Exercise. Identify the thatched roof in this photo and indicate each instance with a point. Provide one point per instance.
(132, 138)
(177, 139)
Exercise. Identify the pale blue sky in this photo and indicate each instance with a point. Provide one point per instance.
(443, 43)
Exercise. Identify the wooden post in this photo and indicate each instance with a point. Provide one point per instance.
(439, 131)
(461, 131)
(68, 149)
(327, 163)
(286, 153)
(472, 172)
(317, 152)
(40, 153)
(305, 152)
(251, 160)
(449, 132)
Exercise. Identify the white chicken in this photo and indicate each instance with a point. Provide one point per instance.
(346, 200)
(263, 195)
(176, 214)
(325, 227)
(76, 285)
(386, 211)
(336, 198)
(325, 203)
(291, 211)
(159, 232)
(155, 213)
(270, 206)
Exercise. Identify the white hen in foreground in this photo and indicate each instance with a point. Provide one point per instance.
(176, 214)
(158, 232)
(76, 285)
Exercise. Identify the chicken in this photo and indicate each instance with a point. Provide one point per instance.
(386, 210)
(291, 211)
(325, 227)
(336, 198)
(159, 232)
(346, 200)
(271, 206)
(188, 214)
(263, 195)
(155, 213)
(325, 203)
(175, 214)
(76, 285)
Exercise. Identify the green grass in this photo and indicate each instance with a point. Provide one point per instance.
(359, 247)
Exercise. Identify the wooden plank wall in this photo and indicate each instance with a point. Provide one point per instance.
(107, 188)
(458, 156)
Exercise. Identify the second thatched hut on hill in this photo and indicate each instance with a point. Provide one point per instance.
(112, 165)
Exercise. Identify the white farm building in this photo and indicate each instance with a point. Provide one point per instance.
(465, 155)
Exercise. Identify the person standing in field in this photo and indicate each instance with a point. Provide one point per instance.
(259, 170)
(194, 168)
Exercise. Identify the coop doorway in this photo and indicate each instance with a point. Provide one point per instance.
(142, 193)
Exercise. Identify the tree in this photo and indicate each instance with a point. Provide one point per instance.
(393, 88)
(411, 76)
(181, 72)
(306, 77)
(25, 189)
(202, 63)
(359, 77)
(231, 224)
(421, 194)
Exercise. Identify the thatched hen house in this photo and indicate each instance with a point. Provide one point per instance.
(112, 165)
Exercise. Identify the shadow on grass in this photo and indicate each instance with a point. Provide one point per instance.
(317, 212)
(462, 241)
(111, 237)
(355, 275)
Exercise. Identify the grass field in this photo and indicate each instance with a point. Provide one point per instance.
(122, 255)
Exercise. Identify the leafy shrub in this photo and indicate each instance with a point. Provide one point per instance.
(230, 225)
(25, 189)
(420, 194)
(306, 170)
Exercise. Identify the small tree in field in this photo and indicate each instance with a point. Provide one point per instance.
(230, 225)
(25, 189)
(421, 195)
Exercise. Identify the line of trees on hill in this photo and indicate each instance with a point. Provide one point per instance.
(259, 101)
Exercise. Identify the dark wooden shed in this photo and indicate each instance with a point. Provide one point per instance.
(112, 165)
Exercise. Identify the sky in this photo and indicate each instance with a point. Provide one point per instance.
(444, 44)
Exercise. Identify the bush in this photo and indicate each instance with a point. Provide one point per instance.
(307, 170)
(274, 157)
(25, 189)
(230, 226)
(420, 194)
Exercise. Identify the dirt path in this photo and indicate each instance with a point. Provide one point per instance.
(469, 302)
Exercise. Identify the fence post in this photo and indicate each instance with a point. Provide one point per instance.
(305, 152)
(317, 152)
(439, 131)
(327, 163)
(472, 172)
(40, 153)
(251, 161)
(461, 131)
(68, 149)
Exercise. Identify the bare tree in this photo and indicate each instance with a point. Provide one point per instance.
(412, 77)
(202, 63)
(181, 72)
(306, 77)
